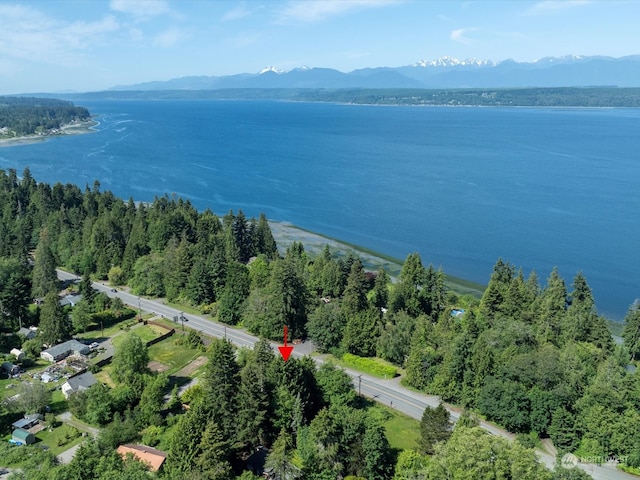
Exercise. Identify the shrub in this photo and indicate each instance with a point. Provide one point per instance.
(369, 365)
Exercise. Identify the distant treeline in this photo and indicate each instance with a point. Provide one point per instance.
(521, 97)
(21, 116)
(526, 97)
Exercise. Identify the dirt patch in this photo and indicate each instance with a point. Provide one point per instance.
(157, 366)
(192, 367)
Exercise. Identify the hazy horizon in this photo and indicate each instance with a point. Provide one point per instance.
(83, 46)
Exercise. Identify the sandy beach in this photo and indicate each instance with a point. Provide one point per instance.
(71, 129)
(285, 234)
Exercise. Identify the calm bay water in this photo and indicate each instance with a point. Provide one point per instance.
(462, 186)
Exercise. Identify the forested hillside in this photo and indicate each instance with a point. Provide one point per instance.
(20, 116)
(532, 358)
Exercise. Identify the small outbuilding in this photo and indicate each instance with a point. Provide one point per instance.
(22, 437)
(19, 354)
(9, 368)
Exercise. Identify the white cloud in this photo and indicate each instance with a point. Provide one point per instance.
(29, 34)
(318, 10)
(169, 37)
(241, 11)
(244, 39)
(140, 9)
(460, 35)
(549, 6)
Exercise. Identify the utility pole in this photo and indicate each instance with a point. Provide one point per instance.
(139, 309)
(359, 385)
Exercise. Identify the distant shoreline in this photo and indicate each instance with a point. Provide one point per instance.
(79, 128)
(285, 234)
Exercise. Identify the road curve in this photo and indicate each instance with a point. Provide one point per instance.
(388, 392)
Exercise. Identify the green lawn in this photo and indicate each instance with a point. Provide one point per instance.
(172, 355)
(145, 332)
(402, 431)
(60, 438)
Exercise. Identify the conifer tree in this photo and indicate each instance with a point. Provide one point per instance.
(378, 458)
(45, 278)
(631, 332)
(354, 298)
(55, 325)
(220, 385)
(213, 460)
(435, 427)
(380, 298)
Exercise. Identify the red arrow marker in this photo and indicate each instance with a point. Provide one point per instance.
(285, 351)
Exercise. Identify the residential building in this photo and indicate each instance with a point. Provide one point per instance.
(63, 350)
(78, 383)
(152, 457)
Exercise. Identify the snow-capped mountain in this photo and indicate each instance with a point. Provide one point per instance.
(444, 72)
(453, 62)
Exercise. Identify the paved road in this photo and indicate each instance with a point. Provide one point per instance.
(388, 392)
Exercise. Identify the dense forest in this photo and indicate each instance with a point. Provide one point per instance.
(536, 359)
(484, 97)
(20, 116)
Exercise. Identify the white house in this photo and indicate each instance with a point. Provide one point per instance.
(78, 383)
(63, 350)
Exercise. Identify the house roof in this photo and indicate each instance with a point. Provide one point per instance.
(70, 300)
(23, 422)
(154, 458)
(62, 348)
(84, 380)
(26, 332)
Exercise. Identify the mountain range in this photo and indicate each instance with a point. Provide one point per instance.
(445, 72)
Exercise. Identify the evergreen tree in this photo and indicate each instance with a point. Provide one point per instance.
(631, 332)
(361, 333)
(264, 241)
(185, 447)
(552, 305)
(220, 384)
(236, 291)
(81, 316)
(354, 298)
(130, 362)
(55, 325)
(279, 459)
(406, 293)
(378, 458)
(213, 461)
(435, 426)
(252, 421)
(433, 294)
(380, 298)
(199, 288)
(45, 278)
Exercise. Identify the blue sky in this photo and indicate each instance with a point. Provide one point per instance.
(86, 45)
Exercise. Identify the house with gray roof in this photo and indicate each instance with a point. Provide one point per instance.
(78, 383)
(64, 350)
(27, 333)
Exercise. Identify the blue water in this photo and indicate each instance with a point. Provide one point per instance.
(462, 186)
